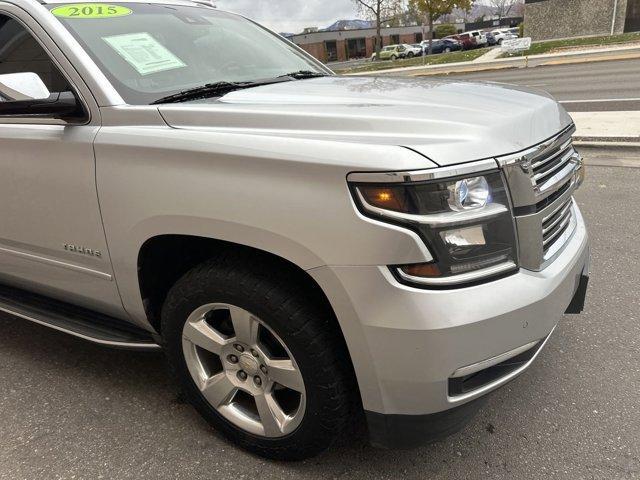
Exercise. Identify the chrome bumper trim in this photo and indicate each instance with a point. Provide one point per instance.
(490, 362)
(462, 278)
(501, 381)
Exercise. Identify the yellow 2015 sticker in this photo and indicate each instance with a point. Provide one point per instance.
(91, 10)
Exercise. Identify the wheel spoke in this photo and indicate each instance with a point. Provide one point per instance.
(245, 326)
(202, 335)
(286, 374)
(271, 415)
(218, 390)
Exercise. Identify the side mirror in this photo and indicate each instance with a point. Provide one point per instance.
(22, 86)
(23, 94)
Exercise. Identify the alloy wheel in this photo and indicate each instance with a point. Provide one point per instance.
(244, 370)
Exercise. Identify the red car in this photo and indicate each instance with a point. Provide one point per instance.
(467, 41)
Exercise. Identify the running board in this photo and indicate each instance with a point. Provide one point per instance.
(77, 321)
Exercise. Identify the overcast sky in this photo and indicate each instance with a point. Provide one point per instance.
(294, 15)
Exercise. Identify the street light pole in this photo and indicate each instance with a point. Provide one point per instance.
(615, 14)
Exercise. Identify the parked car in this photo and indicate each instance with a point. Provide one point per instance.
(308, 250)
(412, 50)
(467, 41)
(392, 52)
(444, 45)
(503, 34)
(491, 40)
(479, 36)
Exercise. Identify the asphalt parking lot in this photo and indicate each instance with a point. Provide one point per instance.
(70, 410)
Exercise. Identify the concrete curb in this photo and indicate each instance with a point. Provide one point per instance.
(538, 61)
(609, 162)
(610, 154)
(625, 52)
(623, 145)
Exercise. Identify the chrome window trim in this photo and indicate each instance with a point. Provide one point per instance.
(96, 84)
(17, 14)
(460, 279)
(414, 176)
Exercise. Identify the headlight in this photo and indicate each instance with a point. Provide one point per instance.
(466, 222)
(469, 193)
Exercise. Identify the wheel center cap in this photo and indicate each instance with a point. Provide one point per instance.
(249, 364)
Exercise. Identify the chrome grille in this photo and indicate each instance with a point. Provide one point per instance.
(541, 182)
(545, 170)
(554, 225)
(538, 172)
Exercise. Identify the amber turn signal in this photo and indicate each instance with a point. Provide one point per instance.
(422, 270)
(384, 197)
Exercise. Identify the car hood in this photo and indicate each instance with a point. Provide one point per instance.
(446, 121)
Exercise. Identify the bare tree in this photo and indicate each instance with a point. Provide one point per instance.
(435, 9)
(378, 11)
(503, 8)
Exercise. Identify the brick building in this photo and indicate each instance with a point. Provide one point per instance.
(342, 45)
(546, 19)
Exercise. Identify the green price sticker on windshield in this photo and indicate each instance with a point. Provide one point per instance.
(91, 10)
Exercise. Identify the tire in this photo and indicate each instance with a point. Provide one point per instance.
(410, 55)
(447, 50)
(233, 289)
(393, 58)
(500, 41)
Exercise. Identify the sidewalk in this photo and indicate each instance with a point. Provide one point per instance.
(608, 127)
(490, 56)
(609, 139)
(482, 63)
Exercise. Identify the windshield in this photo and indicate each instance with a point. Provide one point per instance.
(150, 51)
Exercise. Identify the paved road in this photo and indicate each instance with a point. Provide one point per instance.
(70, 410)
(585, 87)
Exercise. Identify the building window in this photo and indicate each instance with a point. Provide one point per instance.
(356, 48)
(418, 38)
(331, 47)
(632, 23)
(395, 39)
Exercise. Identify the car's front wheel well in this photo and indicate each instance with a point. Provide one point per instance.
(164, 259)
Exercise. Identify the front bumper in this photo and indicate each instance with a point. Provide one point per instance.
(406, 343)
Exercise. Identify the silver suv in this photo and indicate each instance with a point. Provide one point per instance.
(304, 247)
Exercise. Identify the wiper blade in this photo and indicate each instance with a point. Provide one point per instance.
(220, 88)
(302, 74)
(207, 91)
